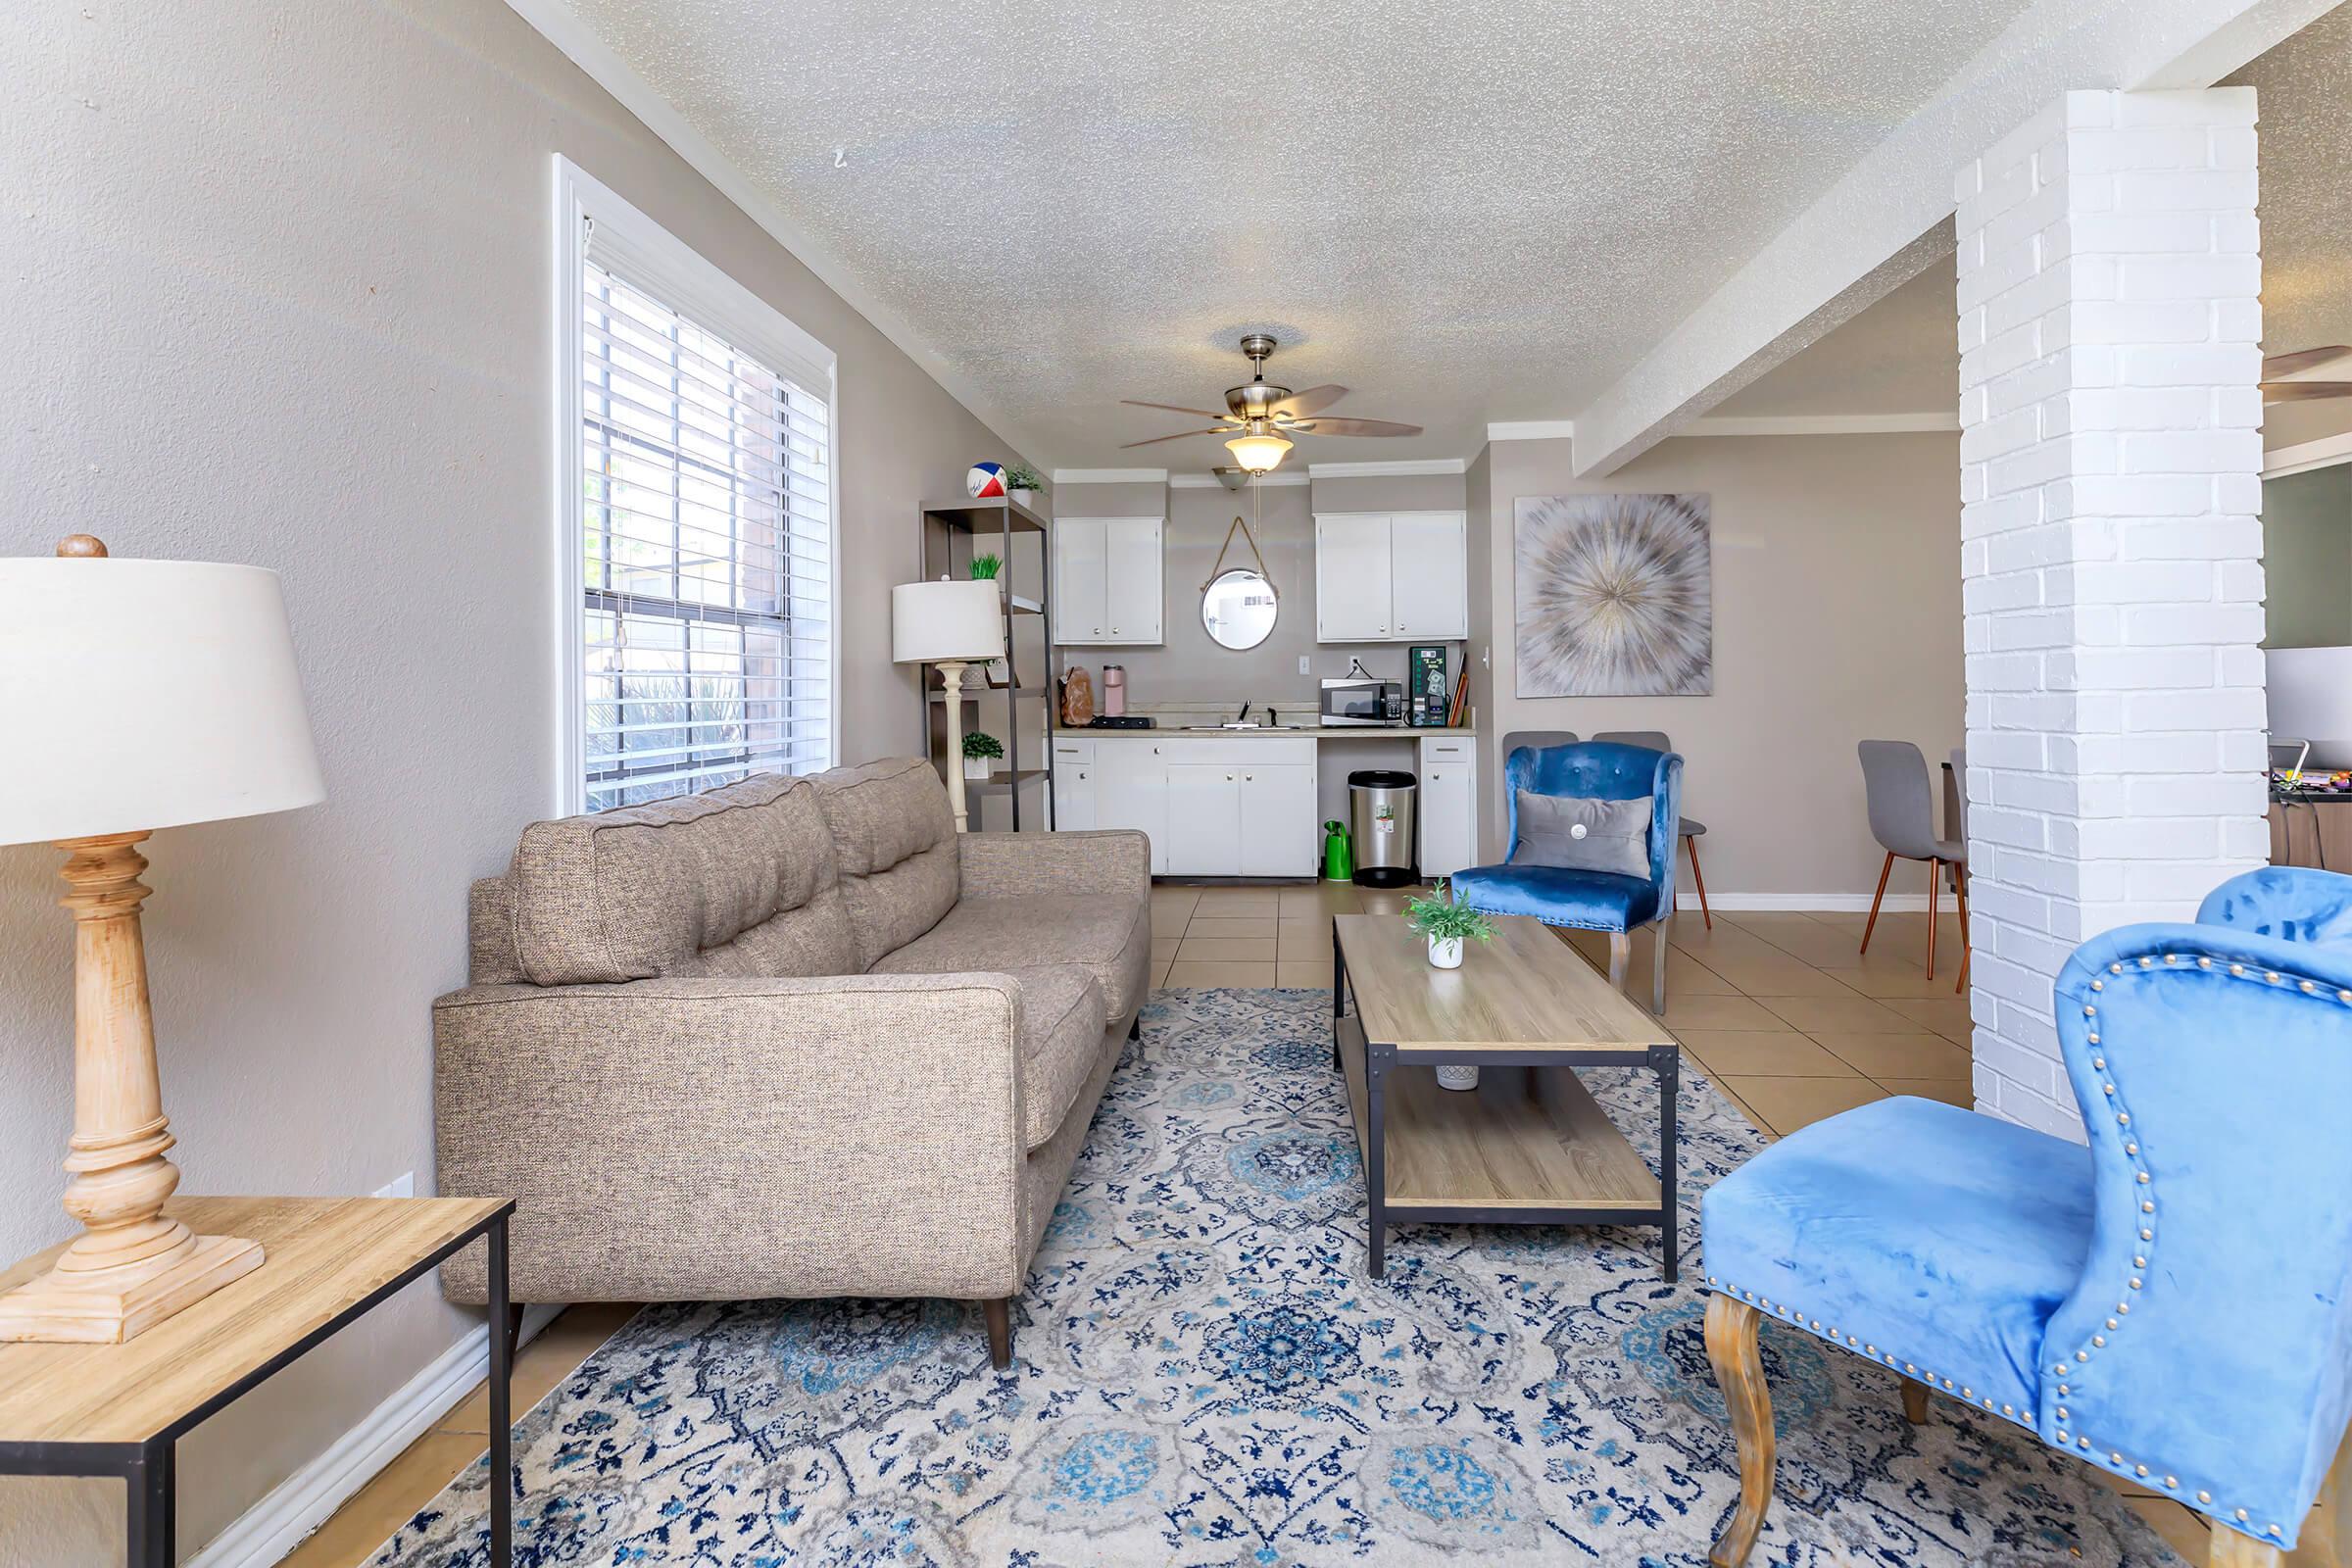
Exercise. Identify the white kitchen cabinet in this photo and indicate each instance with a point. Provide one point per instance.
(1108, 581)
(1204, 819)
(1397, 577)
(1211, 807)
(1449, 805)
(1352, 579)
(1279, 833)
(1429, 575)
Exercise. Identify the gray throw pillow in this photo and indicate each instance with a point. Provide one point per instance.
(1584, 835)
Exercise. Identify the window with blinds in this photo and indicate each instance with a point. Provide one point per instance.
(707, 551)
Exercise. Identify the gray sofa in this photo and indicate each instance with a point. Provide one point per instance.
(793, 1037)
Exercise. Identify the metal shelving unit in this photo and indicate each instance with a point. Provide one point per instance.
(952, 533)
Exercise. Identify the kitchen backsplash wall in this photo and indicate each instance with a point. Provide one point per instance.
(1189, 668)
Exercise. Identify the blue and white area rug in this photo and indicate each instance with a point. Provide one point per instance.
(1206, 1376)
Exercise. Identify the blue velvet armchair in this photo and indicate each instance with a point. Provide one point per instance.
(2172, 1302)
(1590, 901)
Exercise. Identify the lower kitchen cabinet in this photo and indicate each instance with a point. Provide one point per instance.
(1246, 807)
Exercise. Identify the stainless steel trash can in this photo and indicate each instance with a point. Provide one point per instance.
(1380, 819)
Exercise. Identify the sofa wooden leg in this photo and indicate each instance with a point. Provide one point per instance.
(1135, 1027)
(1885, 871)
(512, 1329)
(998, 1311)
(1740, 1372)
(2230, 1550)
(1621, 957)
(1915, 1403)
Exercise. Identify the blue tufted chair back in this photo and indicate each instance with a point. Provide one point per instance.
(1602, 770)
(2210, 1336)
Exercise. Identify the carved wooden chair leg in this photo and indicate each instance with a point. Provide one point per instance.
(1740, 1372)
(1621, 955)
(2230, 1550)
(1885, 871)
(1915, 1403)
(999, 1312)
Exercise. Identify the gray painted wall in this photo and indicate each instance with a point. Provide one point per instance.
(2307, 559)
(1836, 587)
(279, 294)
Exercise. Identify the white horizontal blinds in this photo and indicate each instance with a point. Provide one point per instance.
(706, 542)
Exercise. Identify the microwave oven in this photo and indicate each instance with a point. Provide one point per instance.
(1357, 701)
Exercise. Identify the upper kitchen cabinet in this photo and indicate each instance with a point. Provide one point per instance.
(1391, 577)
(1107, 585)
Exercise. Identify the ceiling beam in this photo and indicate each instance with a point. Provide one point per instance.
(1888, 217)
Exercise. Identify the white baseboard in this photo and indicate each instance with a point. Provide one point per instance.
(1810, 903)
(267, 1531)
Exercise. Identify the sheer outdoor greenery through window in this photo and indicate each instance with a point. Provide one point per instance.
(707, 540)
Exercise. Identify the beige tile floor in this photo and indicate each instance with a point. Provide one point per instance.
(1780, 1010)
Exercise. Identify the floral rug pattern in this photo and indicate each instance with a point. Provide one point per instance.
(1203, 1375)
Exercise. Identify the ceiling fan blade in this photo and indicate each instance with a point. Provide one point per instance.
(1172, 408)
(2304, 391)
(2280, 364)
(1298, 405)
(1178, 436)
(1356, 427)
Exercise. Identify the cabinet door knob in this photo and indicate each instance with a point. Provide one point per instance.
(1249, 778)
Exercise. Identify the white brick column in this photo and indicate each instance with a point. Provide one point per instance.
(2111, 551)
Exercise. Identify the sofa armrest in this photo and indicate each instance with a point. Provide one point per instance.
(710, 1139)
(1003, 865)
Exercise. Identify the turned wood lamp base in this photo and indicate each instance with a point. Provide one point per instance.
(133, 1266)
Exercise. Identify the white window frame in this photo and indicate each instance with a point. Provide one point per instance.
(696, 288)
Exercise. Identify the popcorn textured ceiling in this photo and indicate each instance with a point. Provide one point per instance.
(1463, 213)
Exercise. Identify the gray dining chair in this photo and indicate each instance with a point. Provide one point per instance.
(1960, 871)
(1692, 826)
(1537, 738)
(1902, 819)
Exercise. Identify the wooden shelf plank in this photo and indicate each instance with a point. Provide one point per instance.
(1002, 782)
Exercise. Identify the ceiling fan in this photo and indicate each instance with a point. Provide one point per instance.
(2276, 387)
(1260, 418)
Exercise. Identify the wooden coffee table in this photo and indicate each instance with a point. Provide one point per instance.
(1529, 1146)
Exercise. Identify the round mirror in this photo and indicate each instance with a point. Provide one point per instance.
(1238, 609)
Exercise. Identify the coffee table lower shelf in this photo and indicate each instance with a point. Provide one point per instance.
(1529, 1146)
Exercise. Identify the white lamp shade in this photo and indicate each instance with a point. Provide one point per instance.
(146, 693)
(932, 621)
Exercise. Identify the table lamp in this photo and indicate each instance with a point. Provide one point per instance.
(142, 695)
(950, 624)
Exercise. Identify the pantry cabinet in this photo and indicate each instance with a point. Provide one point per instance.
(1391, 576)
(1449, 805)
(1108, 581)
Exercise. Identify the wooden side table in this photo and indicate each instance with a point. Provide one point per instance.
(118, 1409)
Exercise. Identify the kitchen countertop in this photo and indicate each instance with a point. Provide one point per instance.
(1313, 732)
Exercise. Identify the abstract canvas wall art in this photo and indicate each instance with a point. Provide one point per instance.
(1615, 596)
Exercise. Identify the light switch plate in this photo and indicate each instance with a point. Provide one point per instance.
(1301, 664)
(402, 1186)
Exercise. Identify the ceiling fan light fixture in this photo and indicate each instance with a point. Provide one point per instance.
(1259, 454)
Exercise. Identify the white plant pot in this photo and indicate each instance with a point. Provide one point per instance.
(977, 769)
(1457, 1078)
(1023, 498)
(1446, 952)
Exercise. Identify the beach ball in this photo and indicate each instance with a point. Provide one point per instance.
(985, 480)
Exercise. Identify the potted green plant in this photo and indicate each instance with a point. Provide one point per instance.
(1021, 482)
(986, 568)
(1446, 924)
(980, 753)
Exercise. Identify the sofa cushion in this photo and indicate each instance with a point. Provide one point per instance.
(894, 840)
(735, 881)
(1062, 1026)
(1110, 933)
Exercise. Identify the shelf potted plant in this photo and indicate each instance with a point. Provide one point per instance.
(985, 567)
(980, 753)
(1021, 482)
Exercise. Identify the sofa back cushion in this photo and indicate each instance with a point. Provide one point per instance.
(894, 839)
(735, 881)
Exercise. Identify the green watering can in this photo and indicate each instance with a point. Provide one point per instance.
(1339, 855)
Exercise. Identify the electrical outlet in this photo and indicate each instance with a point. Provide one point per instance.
(1301, 664)
(402, 1186)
